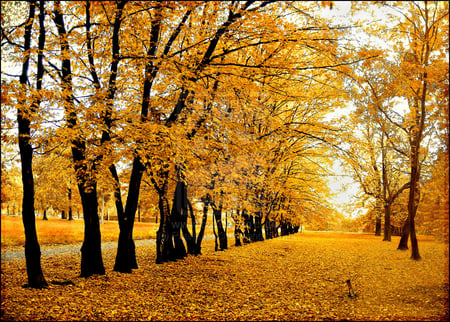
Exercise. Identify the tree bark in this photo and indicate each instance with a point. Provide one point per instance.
(258, 228)
(223, 242)
(164, 244)
(378, 225)
(32, 249)
(188, 237)
(237, 235)
(91, 252)
(403, 244)
(412, 209)
(179, 205)
(70, 204)
(387, 222)
(126, 249)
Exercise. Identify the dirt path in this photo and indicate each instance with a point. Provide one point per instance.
(17, 253)
(51, 250)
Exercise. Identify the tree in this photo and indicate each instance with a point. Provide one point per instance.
(91, 256)
(373, 152)
(25, 111)
(417, 33)
(421, 71)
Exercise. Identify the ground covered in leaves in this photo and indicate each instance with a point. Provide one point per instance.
(297, 277)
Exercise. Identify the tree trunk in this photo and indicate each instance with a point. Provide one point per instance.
(164, 245)
(237, 235)
(122, 263)
(387, 222)
(258, 228)
(223, 242)
(190, 239)
(126, 250)
(179, 205)
(70, 204)
(412, 208)
(403, 244)
(45, 215)
(32, 249)
(378, 225)
(270, 228)
(91, 253)
(216, 244)
(248, 227)
(238, 229)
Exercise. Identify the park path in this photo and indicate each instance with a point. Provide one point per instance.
(51, 250)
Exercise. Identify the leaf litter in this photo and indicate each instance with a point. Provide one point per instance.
(297, 277)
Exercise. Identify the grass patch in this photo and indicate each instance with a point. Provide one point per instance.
(60, 231)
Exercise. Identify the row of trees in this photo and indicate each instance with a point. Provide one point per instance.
(401, 112)
(225, 98)
(222, 102)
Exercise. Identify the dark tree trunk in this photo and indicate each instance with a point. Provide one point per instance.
(179, 205)
(63, 215)
(164, 244)
(283, 228)
(378, 225)
(269, 227)
(248, 227)
(387, 222)
(190, 239)
(237, 235)
(126, 253)
(216, 243)
(91, 253)
(413, 203)
(223, 242)
(403, 244)
(258, 236)
(45, 215)
(32, 249)
(122, 263)
(70, 204)
(396, 231)
(286, 228)
(238, 229)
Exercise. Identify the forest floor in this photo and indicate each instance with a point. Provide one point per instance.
(296, 277)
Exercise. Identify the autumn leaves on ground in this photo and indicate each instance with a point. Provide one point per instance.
(297, 277)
